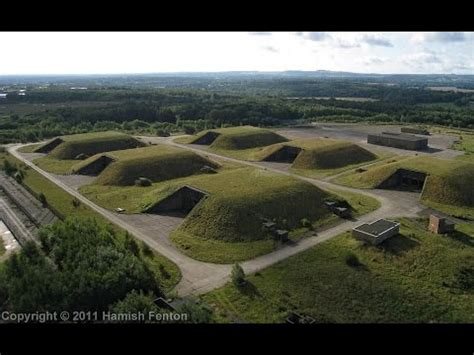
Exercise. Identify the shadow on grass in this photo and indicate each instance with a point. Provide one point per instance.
(249, 290)
(398, 245)
(462, 238)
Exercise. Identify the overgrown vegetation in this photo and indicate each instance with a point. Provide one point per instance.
(416, 277)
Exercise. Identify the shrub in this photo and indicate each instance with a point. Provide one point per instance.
(42, 199)
(305, 222)
(146, 250)
(189, 130)
(352, 260)
(76, 203)
(238, 275)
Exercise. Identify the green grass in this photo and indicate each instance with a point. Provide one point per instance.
(55, 166)
(157, 163)
(236, 138)
(240, 198)
(360, 204)
(227, 225)
(2, 247)
(61, 201)
(93, 143)
(216, 251)
(339, 155)
(29, 148)
(410, 278)
(449, 182)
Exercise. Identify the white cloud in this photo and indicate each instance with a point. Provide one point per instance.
(442, 37)
(270, 49)
(376, 41)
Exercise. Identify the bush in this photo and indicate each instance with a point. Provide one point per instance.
(76, 203)
(189, 130)
(42, 199)
(306, 224)
(352, 260)
(238, 275)
(146, 250)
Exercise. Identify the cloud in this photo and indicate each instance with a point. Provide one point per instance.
(377, 41)
(443, 37)
(421, 59)
(345, 44)
(318, 36)
(260, 33)
(270, 49)
(373, 60)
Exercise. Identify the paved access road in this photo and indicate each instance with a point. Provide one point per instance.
(200, 277)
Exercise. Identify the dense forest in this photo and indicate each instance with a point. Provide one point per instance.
(195, 103)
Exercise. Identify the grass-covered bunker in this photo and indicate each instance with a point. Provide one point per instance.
(88, 144)
(238, 200)
(156, 163)
(237, 138)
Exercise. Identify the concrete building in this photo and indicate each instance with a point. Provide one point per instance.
(376, 232)
(3, 96)
(398, 140)
(440, 225)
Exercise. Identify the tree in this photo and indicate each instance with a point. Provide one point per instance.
(136, 302)
(196, 312)
(238, 275)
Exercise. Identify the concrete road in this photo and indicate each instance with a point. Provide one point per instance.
(200, 277)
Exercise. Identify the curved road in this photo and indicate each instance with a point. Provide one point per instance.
(201, 277)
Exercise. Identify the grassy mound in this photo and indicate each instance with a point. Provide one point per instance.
(93, 143)
(239, 199)
(157, 163)
(320, 153)
(331, 157)
(236, 138)
(448, 181)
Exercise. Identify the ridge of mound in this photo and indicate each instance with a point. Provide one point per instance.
(93, 143)
(157, 163)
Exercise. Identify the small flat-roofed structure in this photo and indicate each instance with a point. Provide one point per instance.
(3, 96)
(415, 130)
(440, 225)
(376, 232)
(398, 140)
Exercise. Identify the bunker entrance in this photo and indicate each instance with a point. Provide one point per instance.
(286, 154)
(95, 167)
(181, 201)
(405, 180)
(48, 147)
(207, 138)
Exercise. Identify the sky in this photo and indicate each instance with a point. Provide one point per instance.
(157, 52)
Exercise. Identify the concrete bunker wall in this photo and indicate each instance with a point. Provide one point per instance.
(49, 146)
(286, 154)
(183, 200)
(207, 139)
(95, 167)
(395, 140)
(404, 179)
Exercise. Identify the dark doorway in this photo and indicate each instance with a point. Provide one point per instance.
(207, 139)
(286, 154)
(183, 200)
(95, 167)
(405, 180)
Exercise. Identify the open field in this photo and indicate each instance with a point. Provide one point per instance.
(415, 277)
(61, 201)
